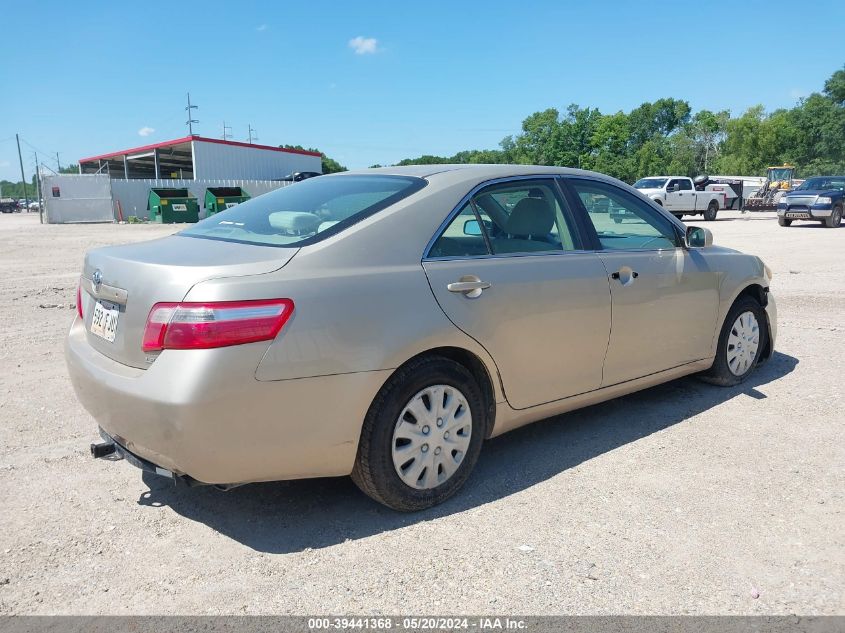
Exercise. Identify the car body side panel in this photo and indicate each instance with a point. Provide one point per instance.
(333, 329)
(545, 319)
(508, 418)
(663, 318)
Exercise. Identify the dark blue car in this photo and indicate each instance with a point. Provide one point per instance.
(817, 199)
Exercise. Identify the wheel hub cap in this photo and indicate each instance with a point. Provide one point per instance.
(431, 437)
(743, 342)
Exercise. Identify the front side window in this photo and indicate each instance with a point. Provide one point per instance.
(307, 211)
(523, 216)
(625, 222)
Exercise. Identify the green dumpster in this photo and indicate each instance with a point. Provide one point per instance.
(170, 206)
(221, 198)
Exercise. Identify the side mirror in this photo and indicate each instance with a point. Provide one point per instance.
(698, 237)
(472, 227)
(674, 188)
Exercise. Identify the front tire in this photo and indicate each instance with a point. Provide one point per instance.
(711, 211)
(835, 218)
(422, 435)
(742, 340)
(784, 222)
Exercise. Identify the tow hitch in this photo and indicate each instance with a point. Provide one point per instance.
(102, 449)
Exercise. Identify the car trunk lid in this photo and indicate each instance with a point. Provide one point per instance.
(128, 280)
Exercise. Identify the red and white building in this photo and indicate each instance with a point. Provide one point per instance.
(200, 158)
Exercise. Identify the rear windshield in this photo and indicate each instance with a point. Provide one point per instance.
(307, 211)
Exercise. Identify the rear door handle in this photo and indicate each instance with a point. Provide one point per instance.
(470, 285)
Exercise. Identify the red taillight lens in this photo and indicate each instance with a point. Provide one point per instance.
(219, 324)
(79, 300)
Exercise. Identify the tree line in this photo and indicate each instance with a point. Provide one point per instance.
(666, 137)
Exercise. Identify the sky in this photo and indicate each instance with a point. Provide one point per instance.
(375, 82)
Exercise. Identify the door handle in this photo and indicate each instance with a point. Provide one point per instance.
(617, 274)
(470, 285)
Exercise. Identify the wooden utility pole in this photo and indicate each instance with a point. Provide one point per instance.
(23, 178)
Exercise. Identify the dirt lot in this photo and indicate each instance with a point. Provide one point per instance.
(685, 498)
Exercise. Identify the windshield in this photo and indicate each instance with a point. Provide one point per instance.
(777, 174)
(650, 183)
(830, 182)
(307, 211)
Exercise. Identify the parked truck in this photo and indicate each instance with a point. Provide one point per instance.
(678, 196)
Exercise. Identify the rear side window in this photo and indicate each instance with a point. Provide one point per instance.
(686, 185)
(307, 211)
(523, 216)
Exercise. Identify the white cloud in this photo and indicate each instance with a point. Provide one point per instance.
(146, 131)
(364, 45)
(261, 27)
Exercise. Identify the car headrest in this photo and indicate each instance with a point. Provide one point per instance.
(530, 216)
(295, 221)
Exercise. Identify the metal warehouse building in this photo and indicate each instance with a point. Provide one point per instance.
(199, 158)
(117, 185)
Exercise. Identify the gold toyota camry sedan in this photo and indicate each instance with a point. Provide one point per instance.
(384, 323)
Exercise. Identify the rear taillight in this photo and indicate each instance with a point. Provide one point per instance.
(79, 300)
(218, 324)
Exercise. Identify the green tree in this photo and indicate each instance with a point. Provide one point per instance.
(329, 165)
(665, 136)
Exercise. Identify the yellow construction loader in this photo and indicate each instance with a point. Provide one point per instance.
(778, 182)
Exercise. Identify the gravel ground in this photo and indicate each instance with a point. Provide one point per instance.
(684, 498)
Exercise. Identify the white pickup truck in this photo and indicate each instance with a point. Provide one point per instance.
(678, 196)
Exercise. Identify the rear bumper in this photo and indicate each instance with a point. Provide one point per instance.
(202, 413)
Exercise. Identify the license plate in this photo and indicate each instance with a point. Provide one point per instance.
(104, 321)
(180, 207)
(229, 205)
(798, 216)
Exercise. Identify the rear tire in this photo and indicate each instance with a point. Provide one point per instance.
(744, 336)
(835, 218)
(378, 464)
(711, 211)
(784, 222)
